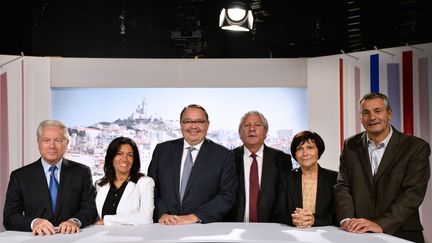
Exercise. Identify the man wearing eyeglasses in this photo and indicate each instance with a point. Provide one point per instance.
(195, 178)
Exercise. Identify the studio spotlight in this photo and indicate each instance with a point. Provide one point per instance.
(236, 16)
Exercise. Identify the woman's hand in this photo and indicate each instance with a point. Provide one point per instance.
(303, 218)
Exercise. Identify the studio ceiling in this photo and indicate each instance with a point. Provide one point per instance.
(189, 28)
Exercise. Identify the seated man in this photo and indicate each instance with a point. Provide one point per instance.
(52, 191)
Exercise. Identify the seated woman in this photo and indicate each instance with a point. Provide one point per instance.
(305, 197)
(124, 195)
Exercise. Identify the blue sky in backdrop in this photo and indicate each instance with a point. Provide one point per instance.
(285, 108)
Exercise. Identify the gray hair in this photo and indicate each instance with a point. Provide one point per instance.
(55, 123)
(371, 96)
(263, 119)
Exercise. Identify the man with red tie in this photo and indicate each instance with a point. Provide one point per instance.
(258, 169)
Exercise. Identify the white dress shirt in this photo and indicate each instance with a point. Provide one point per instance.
(247, 162)
(376, 151)
(46, 166)
(194, 154)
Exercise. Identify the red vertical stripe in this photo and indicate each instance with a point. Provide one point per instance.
(341, 102)
(407, 92)
(357, 98)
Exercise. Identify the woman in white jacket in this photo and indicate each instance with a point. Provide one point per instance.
(124, 195)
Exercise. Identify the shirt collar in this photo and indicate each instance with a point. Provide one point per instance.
(47, 166)
(384, 142)
(197, 146)
(259, 153)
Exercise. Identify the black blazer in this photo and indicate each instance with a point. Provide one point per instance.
(28, 196)
(290, 197)
(212, 184)
(276, 165)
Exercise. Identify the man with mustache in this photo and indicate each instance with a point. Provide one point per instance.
(270, 165)
(383, 176)
(194, 177)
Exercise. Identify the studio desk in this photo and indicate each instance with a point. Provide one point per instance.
(213, 232)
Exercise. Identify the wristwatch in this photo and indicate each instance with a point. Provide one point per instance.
(76, 221)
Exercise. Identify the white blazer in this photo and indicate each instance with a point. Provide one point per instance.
(136, 204)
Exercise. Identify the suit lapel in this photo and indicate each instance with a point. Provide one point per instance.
(389, 154)
(126, 194)
(321, 194)
(361, 148)
(200, 162)
(296, 188)
(101, 196)
(238, 158)
(66, 178)
(42, 180)
(266, 168)
(267, 176)
(177, 159)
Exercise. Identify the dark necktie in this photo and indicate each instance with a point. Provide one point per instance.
(253, 190)
(53, 187)
(186, 172)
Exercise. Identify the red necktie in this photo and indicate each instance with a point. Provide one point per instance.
(253, 190)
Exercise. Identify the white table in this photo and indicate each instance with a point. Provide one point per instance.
(214, 232)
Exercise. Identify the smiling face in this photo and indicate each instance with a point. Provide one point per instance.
(194, 125)
(52, 144)
(253, 132)
(307, 154)
(123, 160)
(375, 118)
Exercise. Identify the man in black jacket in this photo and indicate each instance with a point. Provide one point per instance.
(269, 163)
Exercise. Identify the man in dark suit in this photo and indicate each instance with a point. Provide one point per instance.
(31, 205)
(383, 176)
(271, 164)
(209, 192)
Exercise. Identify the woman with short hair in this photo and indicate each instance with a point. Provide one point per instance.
(305, 196)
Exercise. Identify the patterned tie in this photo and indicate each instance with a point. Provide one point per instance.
(253, 190)
(53, 187)
(186, 172)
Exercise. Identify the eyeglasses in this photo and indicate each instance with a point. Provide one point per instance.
(196, 122)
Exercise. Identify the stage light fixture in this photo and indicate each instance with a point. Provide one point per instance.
(236, 16)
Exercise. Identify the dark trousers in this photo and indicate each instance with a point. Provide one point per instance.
(414, 236)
